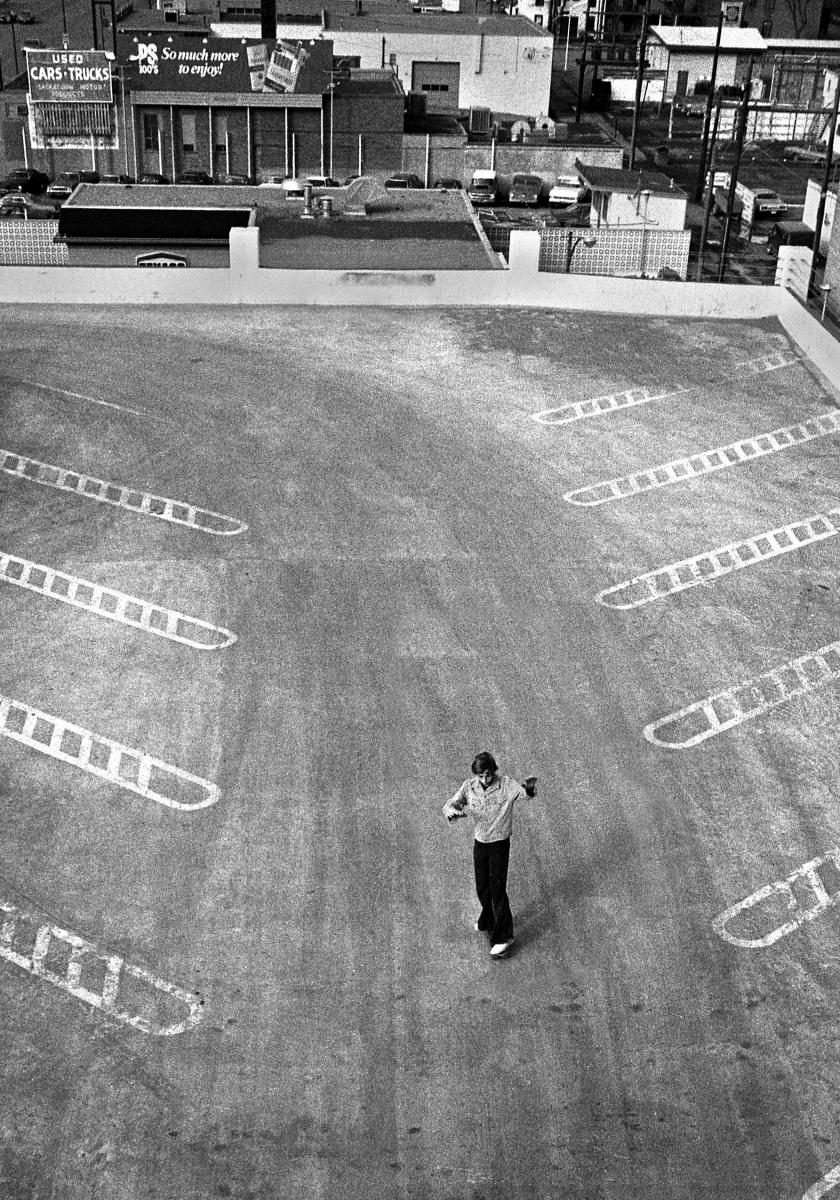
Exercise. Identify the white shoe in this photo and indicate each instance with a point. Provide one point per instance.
(501, 949)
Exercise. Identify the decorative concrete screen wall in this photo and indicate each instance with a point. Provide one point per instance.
(631, 252)
(30, 244)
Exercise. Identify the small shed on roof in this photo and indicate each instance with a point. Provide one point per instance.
(637, 198)
(683, 55)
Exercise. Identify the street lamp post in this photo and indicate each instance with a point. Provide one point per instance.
(588, 240)
(12, 23)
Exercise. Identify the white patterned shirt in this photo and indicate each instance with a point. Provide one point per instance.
(491, 809)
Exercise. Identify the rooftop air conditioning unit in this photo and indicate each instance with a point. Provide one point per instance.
(480, 120)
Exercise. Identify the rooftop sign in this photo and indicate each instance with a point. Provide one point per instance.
(171, 63)
(69, 76)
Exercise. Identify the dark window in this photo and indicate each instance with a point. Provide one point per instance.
(151, 132)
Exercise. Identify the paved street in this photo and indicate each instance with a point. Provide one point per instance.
(270, 579)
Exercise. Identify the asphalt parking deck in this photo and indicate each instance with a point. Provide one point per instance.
(269, 580)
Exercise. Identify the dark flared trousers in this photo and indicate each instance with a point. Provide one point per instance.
(491, 868)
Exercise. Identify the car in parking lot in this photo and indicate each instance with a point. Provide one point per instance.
(116, 179)
(448, 184)
(17, 206)
(230, 179)
(483, 188)
(25, 16)
(67, 182)
(292, 188)
(806, 154)
(768, 203)
(525, 189)
(153, 177)
(25, 179)
(323, 181)
(567, 190)
(194, 178)
(401, 180)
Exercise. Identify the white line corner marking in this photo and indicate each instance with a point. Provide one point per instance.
(723, 560)
(147, 504)
(134, 770)
(752, 698)
(84, 954)
(678, 470)
(783, 887)
(823, 1186)
(116, 606)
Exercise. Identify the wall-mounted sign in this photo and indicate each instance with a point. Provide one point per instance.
(175, 63)
(158, 259)
(69, 76)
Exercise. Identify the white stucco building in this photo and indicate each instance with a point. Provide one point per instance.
(680, 57)
(457, 60)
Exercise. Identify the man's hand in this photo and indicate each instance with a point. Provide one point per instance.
(453, 816)
(530, 785)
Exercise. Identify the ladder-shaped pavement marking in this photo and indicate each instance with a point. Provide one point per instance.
(81, 959)
(116, 606)
(599, 406)
(714, 564)
(148, 504)
(134, 770)
(752, 698)
(822, 1187)
(678, 470)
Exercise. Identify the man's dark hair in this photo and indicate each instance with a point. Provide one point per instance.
(483, 762)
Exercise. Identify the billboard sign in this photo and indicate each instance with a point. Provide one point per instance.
(69, 76)
(187, 64)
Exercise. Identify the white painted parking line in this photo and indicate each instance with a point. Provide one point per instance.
(784, 888)
(601, 405)
(116, 606)
(46, 387)
(678, 470)
(752, 698)
(723, 560)
(134, 770)
(823, 1186)
(53, 945)
(148, 504)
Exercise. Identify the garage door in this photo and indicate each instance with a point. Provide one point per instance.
(438, 82)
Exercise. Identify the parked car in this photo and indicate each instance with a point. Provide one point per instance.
(768, 203)
(323, 181)
(401, 180)
(525, 189)
(7, 16)
(806, 154)
(448, 185)
(567, 190)
(292, 188)
(25, 179)
(33, 44)
(153, 177)
(25, 16)
(483, 188)
(116, 179)
(194, 178)
(19, 207)
(67, 182)
(231, 179)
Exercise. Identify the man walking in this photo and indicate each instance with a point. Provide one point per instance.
(488, 797)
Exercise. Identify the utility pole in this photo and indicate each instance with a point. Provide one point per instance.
(640, 71)
(701, 166)
(733, 180)
(829, 156)
(710, 191)
(582, 61)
